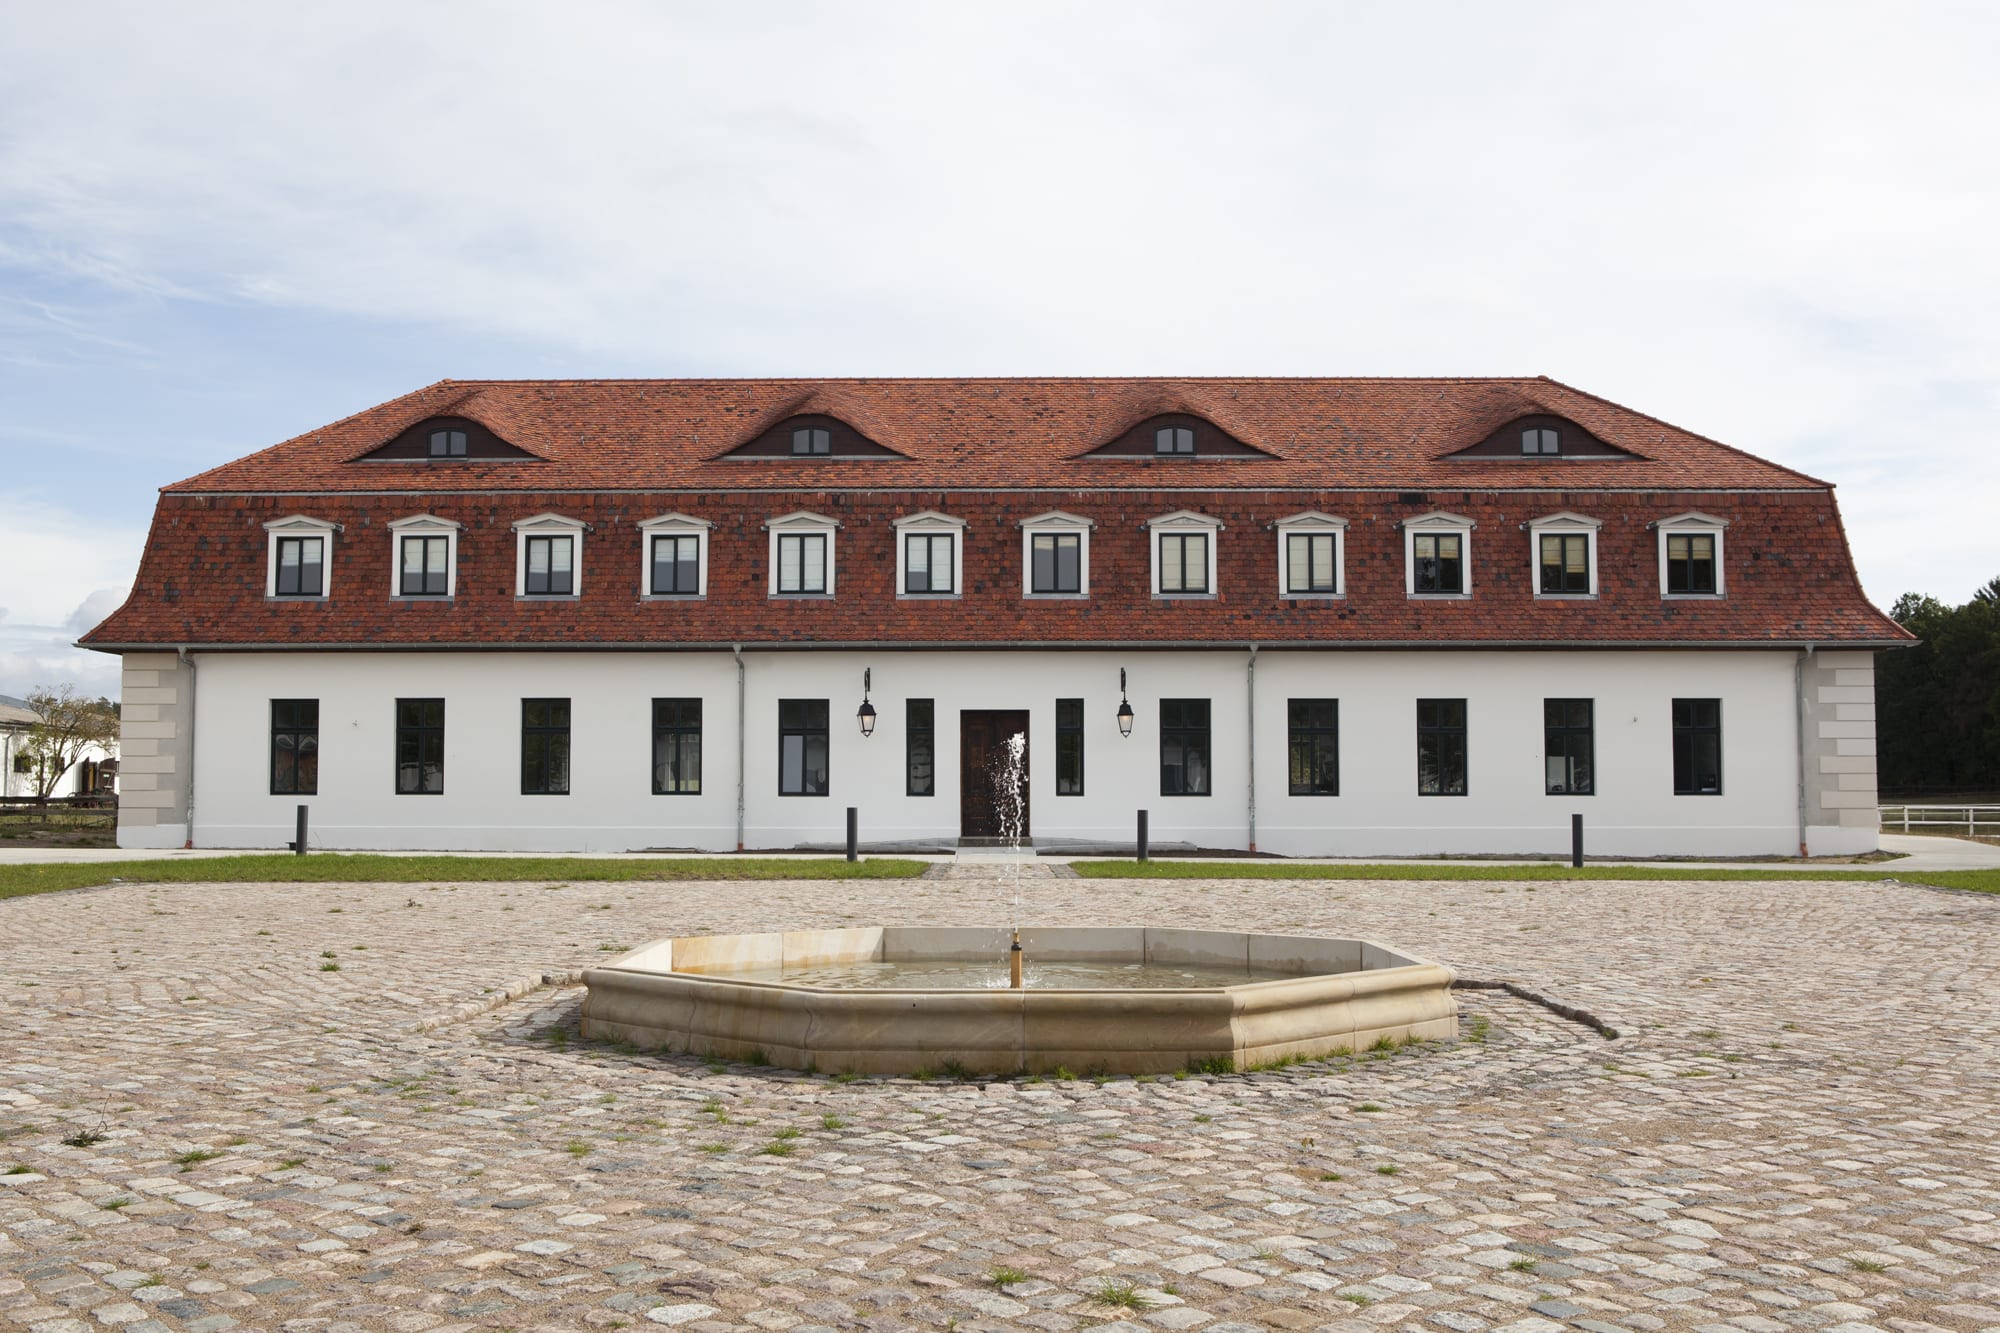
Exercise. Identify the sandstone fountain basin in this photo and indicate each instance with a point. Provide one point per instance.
(1110, 999)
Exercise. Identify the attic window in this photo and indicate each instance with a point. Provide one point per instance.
(1173, 440)
(447, 444)
(812, 440)
(1539, 440)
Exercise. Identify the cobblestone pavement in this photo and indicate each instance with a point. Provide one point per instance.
(1797, 1128)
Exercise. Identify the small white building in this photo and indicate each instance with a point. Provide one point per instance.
(95, 772)
(1309, 617)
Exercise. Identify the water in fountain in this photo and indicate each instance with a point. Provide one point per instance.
(1012, 808)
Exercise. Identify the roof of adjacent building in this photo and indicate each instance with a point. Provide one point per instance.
(994, 433)
(1374, 452)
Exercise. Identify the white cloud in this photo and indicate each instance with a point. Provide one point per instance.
(1781, 238)
(93, 609)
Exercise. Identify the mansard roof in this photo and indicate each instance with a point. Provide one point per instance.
(957, 434)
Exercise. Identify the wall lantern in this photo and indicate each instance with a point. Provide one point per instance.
(1124, 706)
(866, 714)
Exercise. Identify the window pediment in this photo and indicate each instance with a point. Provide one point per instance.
(928, 518)
(801, 518)
(1693, 518)
(809, 436)
(1175, 436)
(1566, 519)
(1540, 436)
(1438, 518)
(1311, 518)
(1184, 518)
(1057, 518)
(446, 439)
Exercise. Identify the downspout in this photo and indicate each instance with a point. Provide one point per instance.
(188, 661)
(1799, 689)
(737, 648)
(1250, 677)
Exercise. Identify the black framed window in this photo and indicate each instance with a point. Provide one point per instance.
(447, 444)
(1569, 747)
(1183, 562)
(426, 567)
(1565, 562)
(419, 747)
(1069, 747)
(544, 747)
(1440, 561)
(551, 567)
(1184, 747)
(1690, 562)
(1173, 440)
(1440, 747)
(294, 747)
(802, 747)
(812, 440)
(1697, 747)
(920, 741)
(802, 562)
(1313, 734)
(1539, 440)
(1055, 562)
(1311, 562)
(676, 566)
(676, 747)
(927, 563)
(301, 566)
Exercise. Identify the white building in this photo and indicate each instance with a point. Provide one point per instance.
(1346, 617)
(94, 773)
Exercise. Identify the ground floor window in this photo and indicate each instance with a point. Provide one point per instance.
(1697, 747)
(419, 747)
(1069, 747)
(294, 747)
(1440, 747)
(1313, 727)
(1184, 747)
(802, 747)
(677, 747)
(1568, 747)
(544, 747)
(920, 732)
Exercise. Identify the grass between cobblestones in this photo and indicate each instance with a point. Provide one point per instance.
(1976, 881)
(320, 868)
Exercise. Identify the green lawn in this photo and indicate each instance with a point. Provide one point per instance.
(326, 867)
(1979, 881)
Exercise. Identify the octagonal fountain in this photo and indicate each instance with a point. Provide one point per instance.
(1120, 1000)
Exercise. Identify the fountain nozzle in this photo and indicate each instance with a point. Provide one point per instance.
(1014, 961)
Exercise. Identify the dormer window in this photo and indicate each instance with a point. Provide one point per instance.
(1173, 440)
(447, 444)
(300, 555)
(1691, 551)
(812, 440)
(1437, 555)
(929, 555)
(425, 557)
(440, 439)
(1540, 440)
(548, 559)
(1184, 554)
(1564, 555)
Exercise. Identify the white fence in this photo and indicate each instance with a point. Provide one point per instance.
(1967, 820)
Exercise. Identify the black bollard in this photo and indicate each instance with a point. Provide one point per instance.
(853, 832)
(1576, 841)
(1143, 839)
(299, 846)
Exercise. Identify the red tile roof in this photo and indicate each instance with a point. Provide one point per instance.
(994, 434)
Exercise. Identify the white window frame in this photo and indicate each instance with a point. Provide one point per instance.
(1565, 524)
(298, 525)
(1055, 522)
(673, 525)
(1438, 522)
(1694, 523)
(1183, 522)
(423, 525)
(801, 523)
(549, 525)
(930, 523)
(1314, 524)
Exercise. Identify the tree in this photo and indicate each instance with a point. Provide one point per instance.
(1938, 702)
(66, 725)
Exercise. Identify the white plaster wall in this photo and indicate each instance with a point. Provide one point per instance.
(611, 805)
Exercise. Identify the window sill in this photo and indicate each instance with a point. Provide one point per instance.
(1565, 596)
(800, 597)
(1439, 596)
(673, 596)
(677, 793)
(548, 596)
(1691, 597)
(1055, 596)
(1570, 793)
(1184, 597)
(294, 597)
(789, 795)
(929, 596)
(421, 597)
(1312, 596)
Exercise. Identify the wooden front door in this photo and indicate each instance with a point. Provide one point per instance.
(982, 769)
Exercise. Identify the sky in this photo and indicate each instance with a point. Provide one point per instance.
(224, 224)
